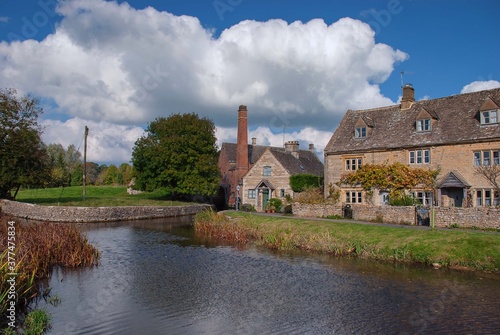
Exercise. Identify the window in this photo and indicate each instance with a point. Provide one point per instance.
(486, 157)
(282, 193)
(479, 198)
(353, 197)
(489, 117)
(267, 171)
(360, 132)
(487, 198)
(420, 156)
(424, 125)
(251, 194)
(352, 164)
(424, 198)
(477, 158)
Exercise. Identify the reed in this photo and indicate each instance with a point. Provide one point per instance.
(40, 247)
(448, 248)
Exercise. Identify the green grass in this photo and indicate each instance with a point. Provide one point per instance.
(96, 196)
(473, 249)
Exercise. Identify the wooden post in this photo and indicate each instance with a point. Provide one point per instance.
(85, 163)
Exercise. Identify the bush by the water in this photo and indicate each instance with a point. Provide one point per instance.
(38, 248)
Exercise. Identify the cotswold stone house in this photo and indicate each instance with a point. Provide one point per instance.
(261, 172)
(455, 134)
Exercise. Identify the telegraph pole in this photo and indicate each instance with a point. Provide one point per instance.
(85, 162)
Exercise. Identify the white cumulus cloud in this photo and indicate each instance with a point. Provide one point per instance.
(109, 62)
(476, 86)
(106, 142)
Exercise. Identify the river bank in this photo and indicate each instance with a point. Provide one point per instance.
(456, 249)
(95, 214)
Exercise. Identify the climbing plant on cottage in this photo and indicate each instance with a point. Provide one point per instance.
(395, 178)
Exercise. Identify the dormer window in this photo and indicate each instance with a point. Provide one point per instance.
(360, 132)
(423, 125)
(489, 117)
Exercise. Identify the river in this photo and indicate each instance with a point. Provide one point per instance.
(155, 277)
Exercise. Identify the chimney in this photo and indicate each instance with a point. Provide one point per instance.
(254, 141)
(293, 148)
(311, 147)
(408, 96)
(242, 144)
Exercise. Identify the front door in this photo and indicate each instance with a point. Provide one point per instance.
(265, 198)
(453, 197)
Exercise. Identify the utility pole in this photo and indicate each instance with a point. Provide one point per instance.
(85, 162)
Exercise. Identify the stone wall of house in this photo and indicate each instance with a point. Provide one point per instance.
(95, 214)
(446, 158)
(480, 217)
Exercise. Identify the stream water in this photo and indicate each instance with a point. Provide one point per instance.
(156, 277)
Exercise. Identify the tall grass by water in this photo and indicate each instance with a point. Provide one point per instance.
(38, 248)
(96, 196)
(447, 248)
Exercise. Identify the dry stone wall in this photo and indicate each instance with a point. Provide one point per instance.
(95, 214)
(479, 217)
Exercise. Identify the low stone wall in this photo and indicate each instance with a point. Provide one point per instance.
(95, 214)
(480, 217)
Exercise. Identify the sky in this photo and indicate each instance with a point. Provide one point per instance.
(297, 65)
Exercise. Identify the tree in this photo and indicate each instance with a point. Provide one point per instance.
(23, 156)
(492, 174)
(179, 154)
(63, 163)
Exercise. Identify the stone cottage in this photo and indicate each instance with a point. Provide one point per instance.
(454, 134)
(256, 173)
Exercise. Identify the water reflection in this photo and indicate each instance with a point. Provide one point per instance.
(157, 278)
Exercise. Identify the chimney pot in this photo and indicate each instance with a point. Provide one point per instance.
(254, 141)
(408, 96)
(311, 147)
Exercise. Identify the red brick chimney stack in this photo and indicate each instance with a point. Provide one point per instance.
(242, 165)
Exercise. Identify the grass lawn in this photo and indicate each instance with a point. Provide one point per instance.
(96, 196)
(473, 249)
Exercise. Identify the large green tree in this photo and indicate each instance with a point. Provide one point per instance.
(179, 154)
(23, 156)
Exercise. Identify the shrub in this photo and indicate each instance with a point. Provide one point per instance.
(300, 182)
(403, 200)
(276, 203)
(288, 209)
(247, 208)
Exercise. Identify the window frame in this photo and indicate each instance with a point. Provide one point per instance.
(252, 193)
(419, 156)
(489, 116)
(353, 197)
(353, 163)
(423, 125)
(360, 132)
(486, 157)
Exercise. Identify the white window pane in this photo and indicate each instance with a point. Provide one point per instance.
(477, 158)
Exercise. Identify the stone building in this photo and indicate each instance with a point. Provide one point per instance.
(255, 173)
(454, 134)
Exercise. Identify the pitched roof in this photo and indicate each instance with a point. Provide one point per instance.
(254, 151)
(456, 121)
(307, 162)
(454, 179)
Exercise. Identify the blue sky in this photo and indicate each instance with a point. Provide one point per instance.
(117, 66)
